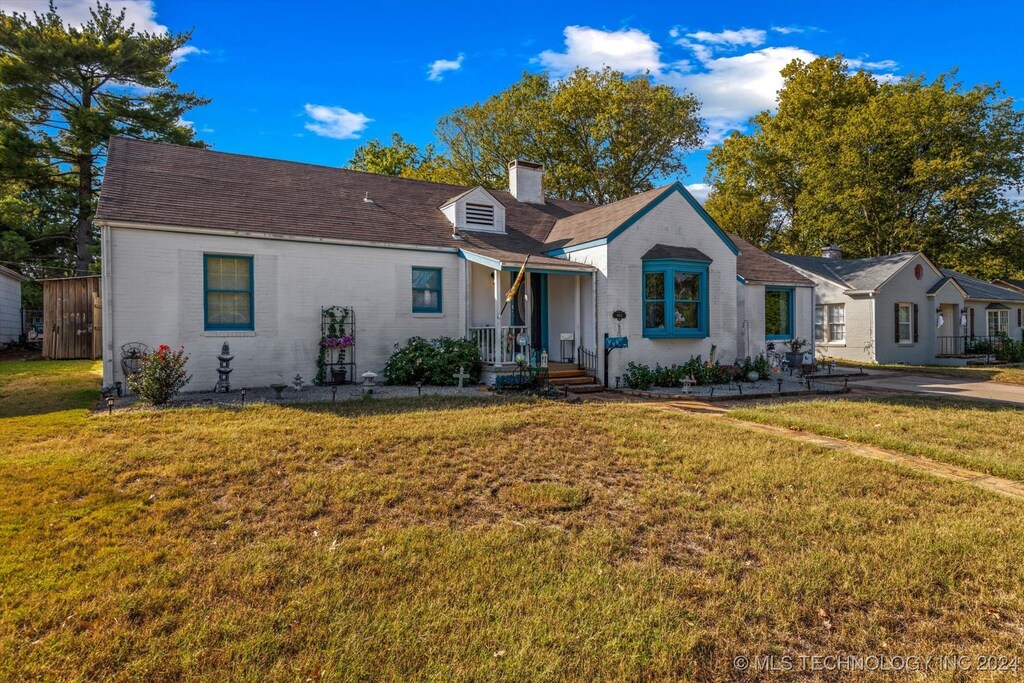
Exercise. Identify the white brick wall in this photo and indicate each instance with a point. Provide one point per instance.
(619, 281)
(750, 323)
(10, 309)
(156, 297)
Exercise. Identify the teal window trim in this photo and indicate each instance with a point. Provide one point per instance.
(789, 291)
(215, 326)
(438, 290)
(670, 267)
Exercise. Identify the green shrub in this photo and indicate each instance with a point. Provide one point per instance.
(762, 366)
(638, 376)
(432, 362)
(161, 375)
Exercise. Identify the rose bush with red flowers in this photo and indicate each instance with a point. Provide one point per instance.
(161, 375)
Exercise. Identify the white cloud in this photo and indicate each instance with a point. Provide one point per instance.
(881, 65)
(181, 54)
(439, 66)
(743, 36)
(699, 191)
(734, 88)
(628, 50)
(335, 122)
(76, 12)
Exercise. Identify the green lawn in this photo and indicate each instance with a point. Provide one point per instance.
(33, 387)
(472, 540)
(979, 436)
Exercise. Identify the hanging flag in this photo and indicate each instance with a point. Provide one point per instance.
(514, 289)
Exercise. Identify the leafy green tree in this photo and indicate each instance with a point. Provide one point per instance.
(600, 135)
(877, 167)
(398, 158)
(401, 158)
(64, 90)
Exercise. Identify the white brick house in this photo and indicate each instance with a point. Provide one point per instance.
(202, 247)
(10, 305)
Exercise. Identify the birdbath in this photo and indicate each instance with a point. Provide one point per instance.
(278, 390)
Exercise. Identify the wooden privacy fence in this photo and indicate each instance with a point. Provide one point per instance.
(72, 318)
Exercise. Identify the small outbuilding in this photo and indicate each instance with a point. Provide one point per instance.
(72, 318)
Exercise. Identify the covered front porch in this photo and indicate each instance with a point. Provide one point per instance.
(552, 312)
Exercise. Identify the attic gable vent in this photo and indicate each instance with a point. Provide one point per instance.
(480, 214)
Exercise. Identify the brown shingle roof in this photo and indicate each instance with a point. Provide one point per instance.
(599, 222)
(149, 182)
(1013, 284)
(757, 267)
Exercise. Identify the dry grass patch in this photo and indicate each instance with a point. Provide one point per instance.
(474, 540)
(546, 496)
(985, 437)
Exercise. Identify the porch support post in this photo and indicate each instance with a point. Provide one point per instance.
(497, 317)
(577, 313)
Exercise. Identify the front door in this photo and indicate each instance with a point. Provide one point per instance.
(530, 310)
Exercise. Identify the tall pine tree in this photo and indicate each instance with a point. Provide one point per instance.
(64, 90)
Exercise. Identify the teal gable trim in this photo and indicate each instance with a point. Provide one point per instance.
(482, 260)
(740, 279)
(673, 188)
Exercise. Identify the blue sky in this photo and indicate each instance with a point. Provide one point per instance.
(309, 81)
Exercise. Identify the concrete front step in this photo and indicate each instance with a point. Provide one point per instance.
(577, 379)
(558, 374)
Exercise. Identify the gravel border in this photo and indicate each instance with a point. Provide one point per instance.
(764, 388)
(309, 394)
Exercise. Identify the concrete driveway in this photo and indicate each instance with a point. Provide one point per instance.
(953, 387)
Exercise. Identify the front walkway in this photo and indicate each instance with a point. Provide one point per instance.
(998, 485)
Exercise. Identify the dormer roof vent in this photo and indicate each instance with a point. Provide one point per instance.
(480, 214)
(475, 209)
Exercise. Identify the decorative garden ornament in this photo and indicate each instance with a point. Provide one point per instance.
(224, 370)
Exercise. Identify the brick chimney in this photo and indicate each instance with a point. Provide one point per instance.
(526, 181)
(832, 251)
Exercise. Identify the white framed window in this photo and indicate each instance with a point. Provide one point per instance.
(830, 323)
(905, 323)
(998, 322)
(837, 323)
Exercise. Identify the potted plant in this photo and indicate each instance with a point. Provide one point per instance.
(339, 373)
(795, 356)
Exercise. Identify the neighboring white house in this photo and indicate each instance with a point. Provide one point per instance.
(10, 305)
(201, 248)
(903, 309)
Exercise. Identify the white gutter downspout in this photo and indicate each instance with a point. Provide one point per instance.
(106, 299)
(872, 332)
(598, 343)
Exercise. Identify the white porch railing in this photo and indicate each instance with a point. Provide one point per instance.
(506, 348)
